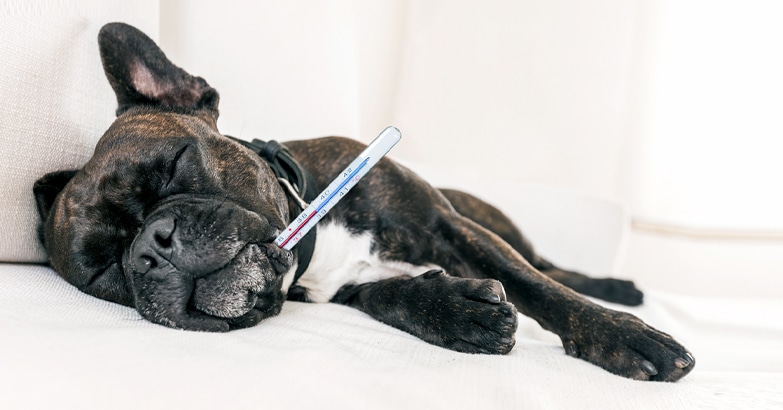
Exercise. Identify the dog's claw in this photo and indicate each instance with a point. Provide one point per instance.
(683, 362)
(498, 294)
(649, 368)
(570, 348)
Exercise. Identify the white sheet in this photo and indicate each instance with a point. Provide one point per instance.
(63, 349)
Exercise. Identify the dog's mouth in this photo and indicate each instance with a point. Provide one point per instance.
(251, 280)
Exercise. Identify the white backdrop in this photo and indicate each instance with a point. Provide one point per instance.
(705, 135)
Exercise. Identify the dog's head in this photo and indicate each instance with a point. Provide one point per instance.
(168, 215)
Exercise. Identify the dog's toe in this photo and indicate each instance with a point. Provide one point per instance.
(490, 291)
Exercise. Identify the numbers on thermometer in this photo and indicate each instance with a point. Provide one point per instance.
(340, 186)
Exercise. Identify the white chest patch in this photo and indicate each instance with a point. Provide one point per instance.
(341, 258)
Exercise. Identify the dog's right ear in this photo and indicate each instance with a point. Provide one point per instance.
(47, 188)
(140, 74)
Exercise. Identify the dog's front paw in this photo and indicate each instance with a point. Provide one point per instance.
(471, 315)
(624, 345)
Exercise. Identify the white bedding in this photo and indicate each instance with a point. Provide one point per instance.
(63, 349)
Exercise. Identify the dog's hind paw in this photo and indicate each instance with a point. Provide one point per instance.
(619, 291)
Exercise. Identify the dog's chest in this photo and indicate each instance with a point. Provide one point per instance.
(342, 258)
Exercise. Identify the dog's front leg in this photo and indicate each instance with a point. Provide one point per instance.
(466, 315)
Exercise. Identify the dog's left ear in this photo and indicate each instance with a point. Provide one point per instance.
(47, 187)
(46, 190)
(140, 74)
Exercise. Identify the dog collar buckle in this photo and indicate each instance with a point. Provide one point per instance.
(293, 192)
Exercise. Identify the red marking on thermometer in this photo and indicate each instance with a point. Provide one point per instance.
(337, 189)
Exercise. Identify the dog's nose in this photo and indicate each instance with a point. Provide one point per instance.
(154, 246)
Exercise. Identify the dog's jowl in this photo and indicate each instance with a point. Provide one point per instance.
(173, 218)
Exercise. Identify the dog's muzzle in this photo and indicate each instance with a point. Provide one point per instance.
(247, 282)
(207, 256)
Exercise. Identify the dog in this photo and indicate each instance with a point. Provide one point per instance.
(173, 218)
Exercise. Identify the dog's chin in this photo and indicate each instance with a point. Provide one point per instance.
(265, 308)
(264, 305)
(249, 284)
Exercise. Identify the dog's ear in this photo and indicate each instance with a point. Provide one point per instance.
(45, 191)
(47, 188)
(140, 74)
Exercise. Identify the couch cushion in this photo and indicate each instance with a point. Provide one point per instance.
(55, 102)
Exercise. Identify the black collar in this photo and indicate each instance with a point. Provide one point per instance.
(289, 172)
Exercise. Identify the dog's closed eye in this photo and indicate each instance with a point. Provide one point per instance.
(175, 165)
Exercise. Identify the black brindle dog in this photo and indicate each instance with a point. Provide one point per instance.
(177, 220)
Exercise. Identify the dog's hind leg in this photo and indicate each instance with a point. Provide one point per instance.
(489, 217)
(609, 289)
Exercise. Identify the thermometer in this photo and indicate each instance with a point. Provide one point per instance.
(337, 189)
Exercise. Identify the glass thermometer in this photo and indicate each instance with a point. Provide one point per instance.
(337, 189)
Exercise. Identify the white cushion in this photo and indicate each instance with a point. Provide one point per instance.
(55, 102)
